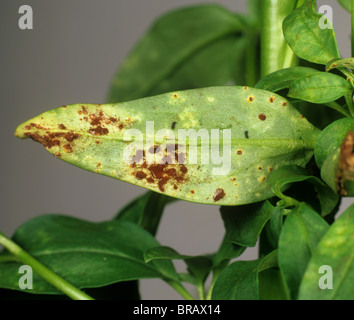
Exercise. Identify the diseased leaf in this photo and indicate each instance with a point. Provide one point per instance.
(283, 78)
(334, 156)
(320, 88)
(302, 230)
(171, 51)
(215, 145)
(240, 280)
(281, 179)
(306, 38)
(340, 63)
(86, 254)
(335, 253)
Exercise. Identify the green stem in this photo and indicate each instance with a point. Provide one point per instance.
(201, 291)
(48, 275)
(251, 60)
(335, 106)
(275, 53)
(180, 289)
(216, 274)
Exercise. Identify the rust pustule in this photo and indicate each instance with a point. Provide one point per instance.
(346, 163)
(239, 152)
(219, 194)
(262, 117)
(160, 173)
(61, 126)
(271, 99)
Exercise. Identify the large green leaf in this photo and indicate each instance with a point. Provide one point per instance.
(305, 36)
(334, 156)
(335, 250)
(240, 280)
(320, 88)
(302, 230)
(84, 253)
(239, 136)
(193, 46)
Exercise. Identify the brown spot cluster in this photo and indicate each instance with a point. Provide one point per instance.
(52, 139)
(346, 163)
(98, 121)
(160, 174)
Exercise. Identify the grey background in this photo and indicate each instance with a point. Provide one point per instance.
(70, 57)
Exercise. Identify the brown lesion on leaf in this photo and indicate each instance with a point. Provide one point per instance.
(271, 99)
(98, 122)
(250, 99)
(219, 194)
(61, 126)
(166, 171)
(239, 152)
(346, 163)
(51, 139)
(262, 117)
(284, 104)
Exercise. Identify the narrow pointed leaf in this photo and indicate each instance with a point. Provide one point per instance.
(335, 250)
(215, 145)
(86, 254)
(305, 36)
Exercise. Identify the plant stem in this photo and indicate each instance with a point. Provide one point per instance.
(48, 275)
(180, 289)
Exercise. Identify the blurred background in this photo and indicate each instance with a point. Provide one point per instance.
(69, 57)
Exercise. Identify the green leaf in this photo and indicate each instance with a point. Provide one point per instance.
(199, 266)
(244, 224)
(252, 131)
(340, 63)
(158, 60)
(336, 251)
(146, 210)
(240, 280)
(302, 230)
(334, 156)
(346, 4)
(220, 63)
(282, 79)
(84, 253)
(271, 286)
(281, 179)
(304, 35)
(320, 88)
